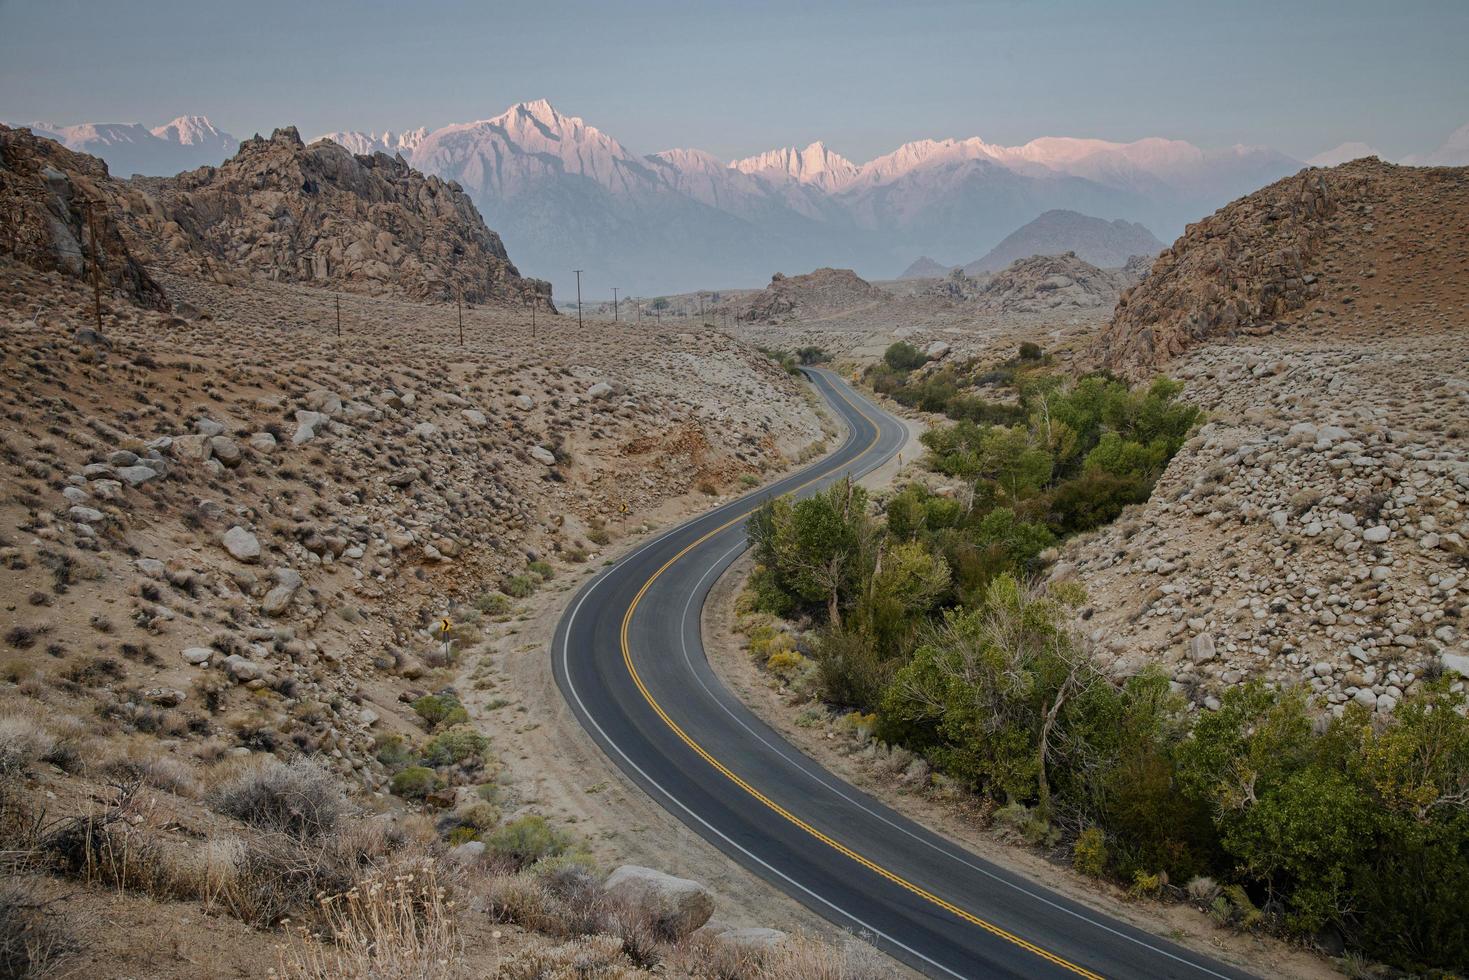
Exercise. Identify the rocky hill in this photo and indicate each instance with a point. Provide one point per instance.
(815, 294)
(1048, 282)
(317, 214)
(1313, 245)
(924, 268)
(44, 190)
(229, 533)
(1107, 244)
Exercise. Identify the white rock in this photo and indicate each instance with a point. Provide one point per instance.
(1201, 648)
(1377, 534)
(197, 655)
(241, 544)
(679, 905)
(135, 476)
(542, 455)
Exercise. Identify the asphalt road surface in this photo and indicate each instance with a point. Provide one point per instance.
(629, 660)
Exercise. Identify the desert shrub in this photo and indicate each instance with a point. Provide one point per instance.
(1030, 351)
(454, 746)
(393, 751)
(519, 586)
(415, 782)
(852, 670)
(599, 956)
(1089, 854)
(483, 815)
(1202, 890)
(440, 710)
(1146, 885)
(526, 840)
(493, 604)
(786, 664)
(300, 799)
(542, 569)
(24, 740)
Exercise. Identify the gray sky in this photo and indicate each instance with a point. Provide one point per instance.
(741, 76)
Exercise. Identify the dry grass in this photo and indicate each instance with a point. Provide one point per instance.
(34, 942)
(390, 925)
(24, 740)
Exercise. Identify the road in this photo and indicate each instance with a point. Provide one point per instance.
(629, 660)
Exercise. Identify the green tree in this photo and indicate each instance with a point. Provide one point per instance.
(903, 356)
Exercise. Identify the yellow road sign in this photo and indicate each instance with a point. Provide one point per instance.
(445, 626)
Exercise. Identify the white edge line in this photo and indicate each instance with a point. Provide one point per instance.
(960, 857)
(566, 672)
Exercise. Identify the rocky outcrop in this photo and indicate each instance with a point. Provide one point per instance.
(1043, 283)
(1106, 244)
(1305, 244)
(44, 190)
(318, 214)
(819, 293)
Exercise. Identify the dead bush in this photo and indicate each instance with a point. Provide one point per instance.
(393, 924)
(589, 956)
(301, 799)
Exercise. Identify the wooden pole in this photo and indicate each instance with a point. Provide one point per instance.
(339, 315)
(459, 307)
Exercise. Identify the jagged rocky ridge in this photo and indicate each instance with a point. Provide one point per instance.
(319, 214)
(44, 190)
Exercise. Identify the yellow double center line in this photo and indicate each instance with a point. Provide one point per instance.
(781, 811)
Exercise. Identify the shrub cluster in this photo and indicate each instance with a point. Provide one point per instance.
(1354, 825)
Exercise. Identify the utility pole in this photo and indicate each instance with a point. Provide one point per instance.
(459, 306)
(532, 318)
(640, 311)
(614, 304)
(339, 316)
(96, 268)
(578, 299)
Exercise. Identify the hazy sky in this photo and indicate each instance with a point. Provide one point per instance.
(746, 75)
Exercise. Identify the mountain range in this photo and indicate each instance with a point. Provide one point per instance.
(130, 148)
(564, 195)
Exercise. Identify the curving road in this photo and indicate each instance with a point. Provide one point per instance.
(629, 660)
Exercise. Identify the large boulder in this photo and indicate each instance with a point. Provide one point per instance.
(677, 904)
(241, 544)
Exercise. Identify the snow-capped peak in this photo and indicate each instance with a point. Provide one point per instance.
(389, 142)
(814, 165)
(191, 131)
